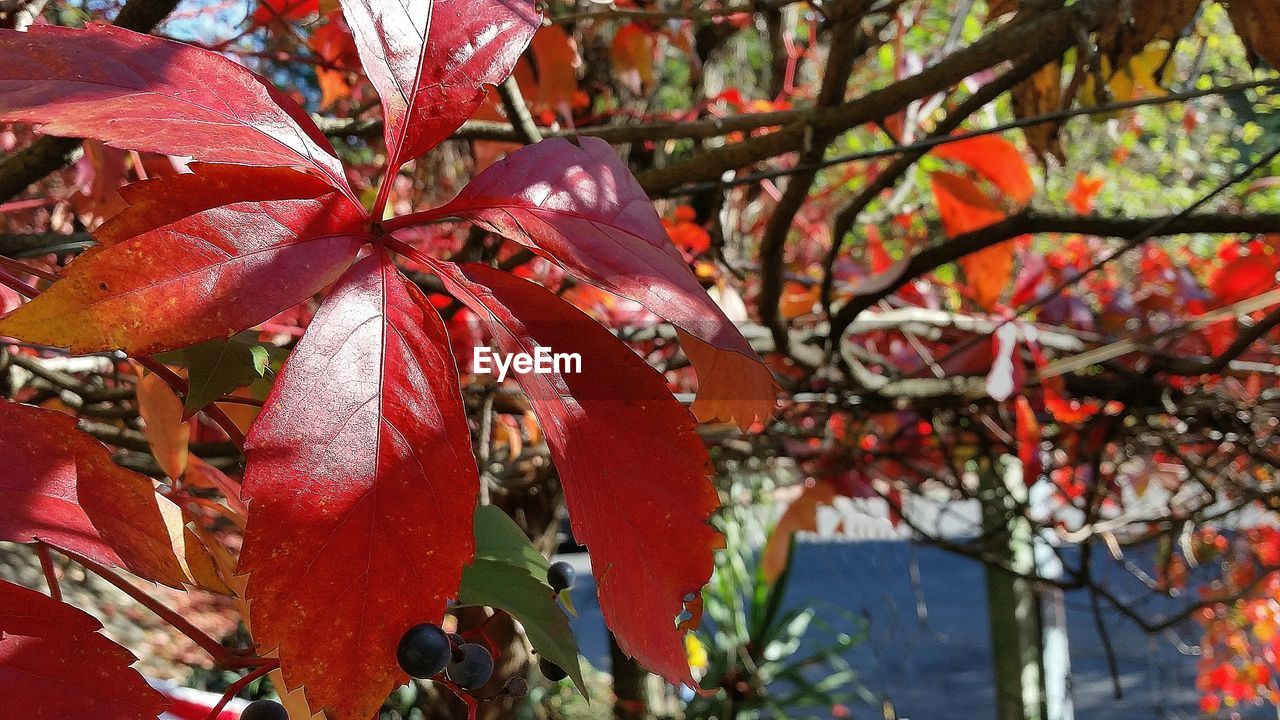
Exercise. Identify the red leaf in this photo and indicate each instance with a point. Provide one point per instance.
(996, 159)
(1243, 278)
(61, 487)
(155, 203)
(635, 473)
(578, 205)
(1029, 437)
(361, 485)
(1083, 191)
(430, 60)
(210, 275)
(55, 664)
(141, 92)
(272, 10)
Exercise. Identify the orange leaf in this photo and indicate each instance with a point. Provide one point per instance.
(557, 82)
(800, 516)
(964, 208)
(632, 56)
(61, 487)
(996, 159)
(162, 411)
(1084, 190)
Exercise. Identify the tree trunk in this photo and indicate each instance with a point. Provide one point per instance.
(630, 681)
(1012, 602)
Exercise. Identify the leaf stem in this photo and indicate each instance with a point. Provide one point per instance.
(234, 688)
(409, 251)
(425, 217)
(19, 266)
(221, 654)
(50, 573)
(17, 285)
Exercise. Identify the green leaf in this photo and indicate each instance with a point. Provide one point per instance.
(510, 574)
(531, 602)
(499, 538)
(218, 367)
(261, 360)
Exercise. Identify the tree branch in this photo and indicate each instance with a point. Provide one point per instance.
(1006, 43)
(1028, 223)
(835, 80)
(848, 215)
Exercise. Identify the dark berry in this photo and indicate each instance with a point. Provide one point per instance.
(423, 651)
(516, 687)
(551, 671)
(560, 576)
(264, 710)
(473, 669)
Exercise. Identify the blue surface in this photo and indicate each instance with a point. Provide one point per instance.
(937, 664)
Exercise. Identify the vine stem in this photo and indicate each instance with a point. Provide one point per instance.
(214, 413)
(17, 285)
(425, 217)
(234, 688)
(19, 266)
(50, 573)
(221, 654)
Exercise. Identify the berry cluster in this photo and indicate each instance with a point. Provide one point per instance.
(427, 651)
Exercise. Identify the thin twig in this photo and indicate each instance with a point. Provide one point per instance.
(222, 655)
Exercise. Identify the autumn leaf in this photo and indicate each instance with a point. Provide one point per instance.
(141, 92)
(578, 205)
(1083, 191)
(361, 486)
(1029, 437)
(632, 55)
(1257, 22)
(1126, 34)
(800, 516)
(965, 208)
(166, 428)
(431, 60)
(1041, 94)
(996, 159)
(55, 663)
(1244, 277)
(634, 471)
(152, 204)
(209, 275)
(281, 10)
(554, 71)
(336, 49)
(61, 487)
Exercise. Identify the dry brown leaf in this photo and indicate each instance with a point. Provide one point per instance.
(1257, 22)
(1041, 94)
